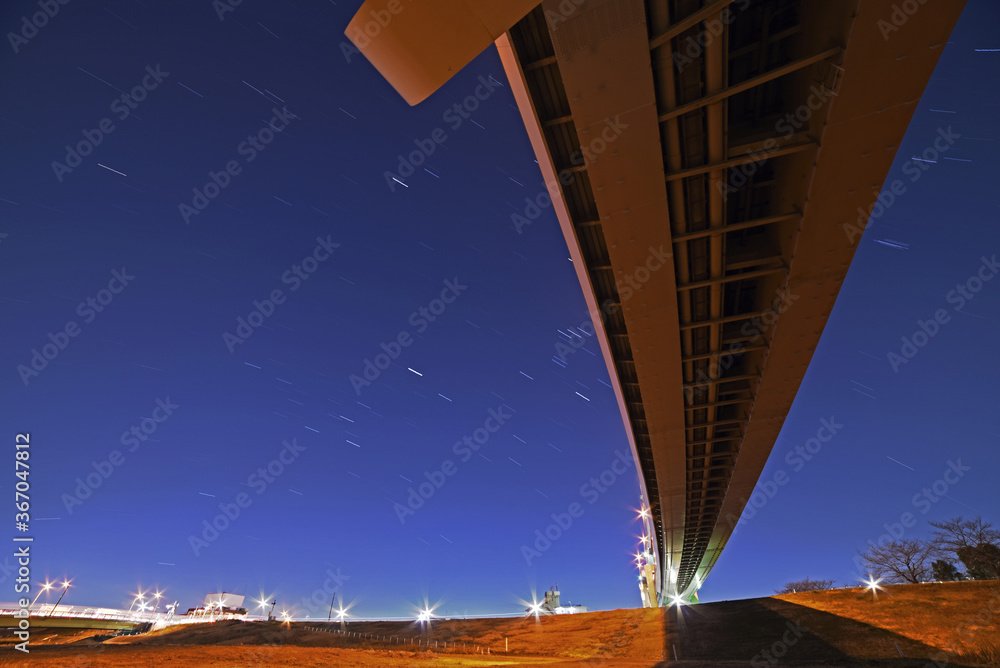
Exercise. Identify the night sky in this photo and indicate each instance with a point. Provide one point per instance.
(205, 270)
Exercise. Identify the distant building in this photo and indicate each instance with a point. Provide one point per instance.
(552, 606)
(220, 606)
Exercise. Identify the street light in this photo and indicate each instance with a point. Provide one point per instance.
(45, 587)
(158, 595)
(66, 586)
(140, 595)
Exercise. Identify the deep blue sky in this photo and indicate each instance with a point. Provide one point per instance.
(332, 509)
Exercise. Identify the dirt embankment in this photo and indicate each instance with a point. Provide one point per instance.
(906, 627)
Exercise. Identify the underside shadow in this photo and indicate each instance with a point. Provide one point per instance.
(768, 632)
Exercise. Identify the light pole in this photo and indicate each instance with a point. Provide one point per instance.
(65, 589)
(341, 614)
(138, 597)
(45, 587)
(158, 595)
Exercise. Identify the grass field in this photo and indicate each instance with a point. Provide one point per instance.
(960, 618)
(912, 626)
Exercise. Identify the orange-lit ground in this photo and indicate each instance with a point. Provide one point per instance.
(954, 623)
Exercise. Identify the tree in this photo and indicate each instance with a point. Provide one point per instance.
(981, 562)
(804, 585)
(957, 533)
(899, 560)
(945, 571)
(974, 542)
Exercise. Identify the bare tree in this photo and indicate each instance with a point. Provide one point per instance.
(804, 585)
(975, 542)
(957, 533)
(899, 560)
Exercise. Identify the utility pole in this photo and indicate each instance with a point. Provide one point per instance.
(330, 618)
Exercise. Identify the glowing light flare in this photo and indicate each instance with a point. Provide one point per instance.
(425, 613)
(872, 585)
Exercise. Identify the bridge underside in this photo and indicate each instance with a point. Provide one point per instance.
(703, 158)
